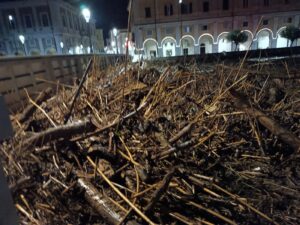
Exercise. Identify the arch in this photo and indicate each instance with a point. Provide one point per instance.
(50, 51)
(264, 37)
(150, 46)
(187, 44)
(246, 45)
(169, 46)
(206, 43)
(265, 29)
(149, 39)
(281, 42)
(219, 36)
(187, 36)
(223, 44)
(35, 52)
(206, 34)
(279, 31)
(168, 37)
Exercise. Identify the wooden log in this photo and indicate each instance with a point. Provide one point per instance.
(30, 109)
(99, 202)
(283, 134)
(64, 131)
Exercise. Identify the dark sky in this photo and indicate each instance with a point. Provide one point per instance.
(108, 13)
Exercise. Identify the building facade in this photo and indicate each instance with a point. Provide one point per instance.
(48, 27)
(177, 27)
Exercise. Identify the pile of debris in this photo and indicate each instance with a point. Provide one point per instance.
(161, 144)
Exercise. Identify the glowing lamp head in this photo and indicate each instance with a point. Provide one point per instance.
(115, 32)
(61, 44)
(86, 14)
(22, 38)
(10, 18)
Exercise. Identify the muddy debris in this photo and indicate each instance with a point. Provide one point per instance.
(162, 144)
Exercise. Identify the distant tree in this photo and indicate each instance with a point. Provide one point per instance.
(291, 33)
(237, 37)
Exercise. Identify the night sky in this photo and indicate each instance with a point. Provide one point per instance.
(108, 13)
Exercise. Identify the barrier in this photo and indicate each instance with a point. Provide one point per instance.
(18, 74)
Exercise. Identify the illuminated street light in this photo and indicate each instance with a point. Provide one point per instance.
(10, 19)
(115, 33)
(22, 40)
(62, 47)
(87, 16)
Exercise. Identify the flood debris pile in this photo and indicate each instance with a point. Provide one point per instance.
(190, 144)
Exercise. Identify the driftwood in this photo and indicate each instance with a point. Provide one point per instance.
(30, 109)
(282, 133)
(99, 202)
(64, 131)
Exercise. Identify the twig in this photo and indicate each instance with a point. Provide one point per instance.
(283, 134)
(160, 191)
(83, 79)
(30, 109)
(139, 212)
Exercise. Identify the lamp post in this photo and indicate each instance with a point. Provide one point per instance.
(115, 33)
(87, 16)
(22, 40)
(10, 19)
(179, 10)
(62, 47)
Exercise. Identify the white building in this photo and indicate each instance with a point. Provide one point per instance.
(48, 26)
(170, 28)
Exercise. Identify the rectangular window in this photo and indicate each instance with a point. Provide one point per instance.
(187, 29)
(290, 20)
(44, 20)
(169, 10)
(191, 7)
(204, 27)
(225, 4)
(147, 12)
(245, 3)
(266, 2)
(183, 8)
(205, 6)
(245, 24)
(265, 22)
(149, 32)
(28, 21)
(286, 2)
(70, 20)
(186, 8)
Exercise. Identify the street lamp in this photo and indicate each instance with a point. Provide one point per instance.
(115, 33)
(62, 47)
(87, 16)
(22, 39)
(10, 19)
